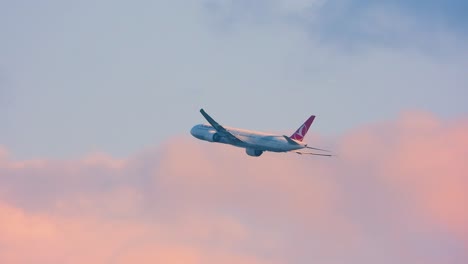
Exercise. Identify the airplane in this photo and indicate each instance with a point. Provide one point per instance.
(255, 142)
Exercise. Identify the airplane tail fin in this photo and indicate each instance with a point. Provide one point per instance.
(302, 130)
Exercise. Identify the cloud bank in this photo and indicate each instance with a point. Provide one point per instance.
(396, 193)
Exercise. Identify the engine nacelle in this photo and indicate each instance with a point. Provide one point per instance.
(211, 137)
(205, 133)
(253, 152)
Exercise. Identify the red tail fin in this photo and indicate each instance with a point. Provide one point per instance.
(302, 131)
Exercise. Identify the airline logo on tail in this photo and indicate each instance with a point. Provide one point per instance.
(302, 131)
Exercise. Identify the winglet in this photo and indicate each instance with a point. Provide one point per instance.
(302, 130)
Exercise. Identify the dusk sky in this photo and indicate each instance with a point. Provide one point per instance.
(97, 99)
(117, 76)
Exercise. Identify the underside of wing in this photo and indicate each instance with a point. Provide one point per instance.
(220, 129)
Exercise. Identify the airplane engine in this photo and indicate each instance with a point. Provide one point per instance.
(216, 137)
(253, 152)
(212, 137)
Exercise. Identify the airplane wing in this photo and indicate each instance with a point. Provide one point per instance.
(220, 129)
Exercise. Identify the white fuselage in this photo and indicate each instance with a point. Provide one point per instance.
(250, 139)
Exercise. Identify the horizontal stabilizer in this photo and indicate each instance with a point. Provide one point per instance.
(317, 149)
(316, 154)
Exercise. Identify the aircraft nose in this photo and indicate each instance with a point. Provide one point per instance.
(194, 131)
(197, 132)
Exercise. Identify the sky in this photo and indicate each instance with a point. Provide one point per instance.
(118, 76)
(97, 99)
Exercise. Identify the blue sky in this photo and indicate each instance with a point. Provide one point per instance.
(117, 76)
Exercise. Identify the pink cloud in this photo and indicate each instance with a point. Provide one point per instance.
(395, 193)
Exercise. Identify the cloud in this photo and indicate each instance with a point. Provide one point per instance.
(394, 194)
(420, 156)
